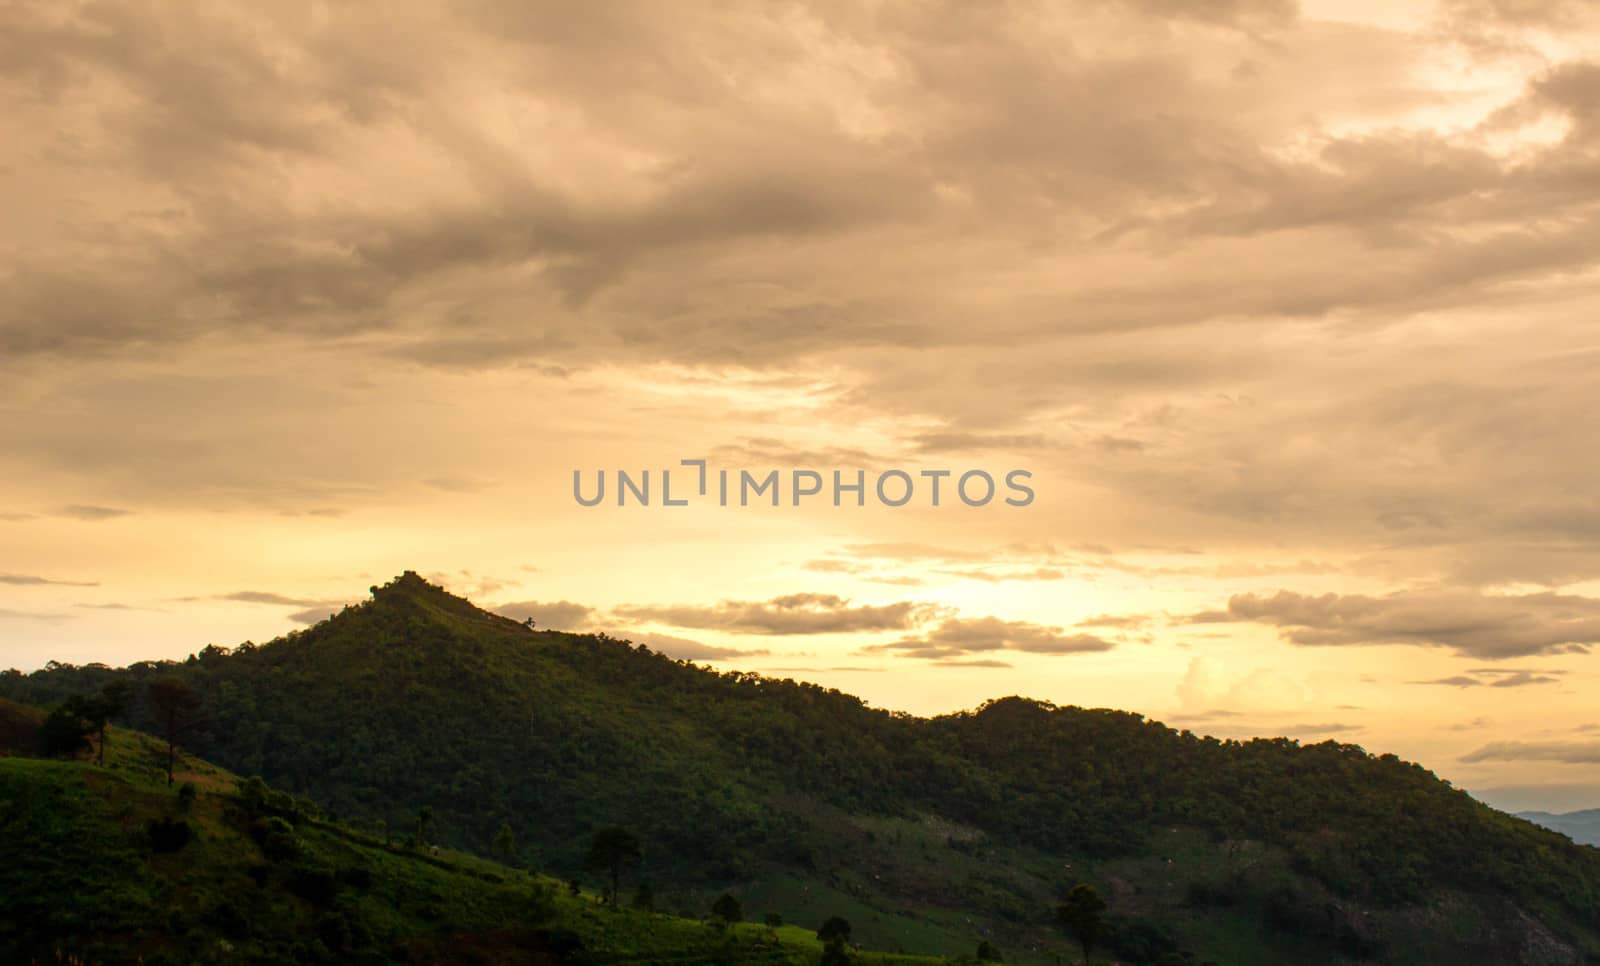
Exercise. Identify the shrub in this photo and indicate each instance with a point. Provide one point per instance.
(167, 835)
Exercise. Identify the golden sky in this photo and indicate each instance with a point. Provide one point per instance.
(1289, 311)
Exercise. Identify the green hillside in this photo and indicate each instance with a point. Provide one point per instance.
(111, 865)
(929, 835)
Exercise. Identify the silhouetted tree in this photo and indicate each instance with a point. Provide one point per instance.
(836, 927)
(644, 898)
(505, 842)
(1083, 916)
(727, 909)
(177, 711)
(612, 850)
(424, 825)
(774, 920)
(99, 709)
(835, 954)
(987, 953)
(63, 734)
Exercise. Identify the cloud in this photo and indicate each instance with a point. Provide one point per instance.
(1003, 576)
(1481, 625)
(684, 649)
(28, 580)
(957, 637)
(551, 615)
(80, 511)
(458, 484)
(805, 613)
(1570, 752)
(1307, 730)
(28, 615)
(1498, 678)
(1121, 621)
(313, 615)
(309, 610)
(967, 442)
(266, 597)
(830, 566)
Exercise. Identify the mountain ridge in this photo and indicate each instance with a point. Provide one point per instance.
(1582, 826)
(805, 799)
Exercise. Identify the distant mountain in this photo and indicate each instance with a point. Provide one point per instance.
(1582, 827)
(928, 834)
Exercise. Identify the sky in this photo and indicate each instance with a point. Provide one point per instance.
(1286, 310)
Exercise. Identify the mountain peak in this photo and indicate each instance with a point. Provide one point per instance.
(408, 584)
(411, 592)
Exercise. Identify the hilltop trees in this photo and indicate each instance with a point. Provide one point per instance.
(1083, 916)
(613, 850)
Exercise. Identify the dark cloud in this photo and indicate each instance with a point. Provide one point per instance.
(805, 613)
(957, 637)
(1481, 625)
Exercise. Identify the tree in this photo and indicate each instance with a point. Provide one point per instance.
(505, 842)
(1083, 916)
(63, 734)
(727, 909)
(177, 711)
(424, 824)
(837, 927)
(987, 953)
(835, 954)
(99, 709)
(613, 850)
(644, 898)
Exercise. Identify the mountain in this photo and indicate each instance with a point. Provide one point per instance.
(1582, 827)
(928, 834)
(112, 865)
